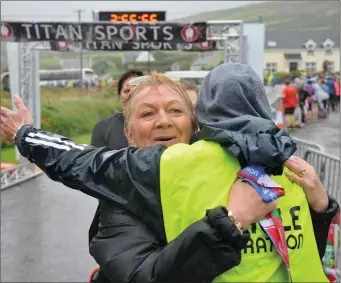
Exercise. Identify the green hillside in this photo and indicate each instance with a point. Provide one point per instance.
(282, 15)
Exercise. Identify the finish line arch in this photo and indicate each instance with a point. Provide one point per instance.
(25, 39)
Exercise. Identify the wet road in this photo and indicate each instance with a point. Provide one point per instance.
(325, 132)
(44, 225)
(44, 233)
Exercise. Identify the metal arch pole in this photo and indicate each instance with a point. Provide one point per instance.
(23, 47)
(14, 67)
(28, 69)
(36, 103)
(220, 30)
(23, 63)
(13, 58)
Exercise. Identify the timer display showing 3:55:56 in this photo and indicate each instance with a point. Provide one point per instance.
(132, 16)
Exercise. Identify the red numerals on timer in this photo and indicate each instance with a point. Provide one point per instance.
(133, 18)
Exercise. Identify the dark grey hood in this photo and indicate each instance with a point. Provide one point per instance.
(233, 109)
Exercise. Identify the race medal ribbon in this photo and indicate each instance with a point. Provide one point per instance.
(272, 222)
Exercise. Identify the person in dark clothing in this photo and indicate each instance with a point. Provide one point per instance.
(324, 102)
(302, 96)
(101, 164)
(114, 138)
(332, 92)
(109, 132)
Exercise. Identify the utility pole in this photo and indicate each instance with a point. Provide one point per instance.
(79, 11)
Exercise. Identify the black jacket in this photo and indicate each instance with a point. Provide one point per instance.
(132, 213)
(302, 94)
(131, 244)
(110, 132)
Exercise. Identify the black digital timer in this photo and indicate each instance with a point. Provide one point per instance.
(132, 16)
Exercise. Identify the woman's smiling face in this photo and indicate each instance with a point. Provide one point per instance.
(159, 116)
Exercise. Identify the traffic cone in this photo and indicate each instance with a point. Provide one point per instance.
(279, 117)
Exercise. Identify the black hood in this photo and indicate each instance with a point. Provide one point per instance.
(233, 109)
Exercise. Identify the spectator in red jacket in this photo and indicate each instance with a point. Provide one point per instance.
(290, 102)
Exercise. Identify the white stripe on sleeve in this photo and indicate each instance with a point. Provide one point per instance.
(52, 144)
(57, 139)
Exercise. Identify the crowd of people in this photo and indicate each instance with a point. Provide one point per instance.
(87, 84)
(179, 177)
(307, 98)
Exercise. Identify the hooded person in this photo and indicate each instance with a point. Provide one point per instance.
(233, 109)
(173, 187)
(235, 124)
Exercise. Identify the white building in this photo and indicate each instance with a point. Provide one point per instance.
(287, 51)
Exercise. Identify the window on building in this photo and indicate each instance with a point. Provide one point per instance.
(328, 45)
(310, 52)
(272, 67)
(331, 67)
(310, 67)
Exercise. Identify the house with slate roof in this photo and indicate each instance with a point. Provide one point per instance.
(287, 51)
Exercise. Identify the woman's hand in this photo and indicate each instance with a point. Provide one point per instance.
(11, 121)
(306, 177)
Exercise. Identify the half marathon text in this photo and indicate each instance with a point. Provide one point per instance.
(294, 237)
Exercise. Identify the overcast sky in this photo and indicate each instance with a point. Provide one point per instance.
(65, 10)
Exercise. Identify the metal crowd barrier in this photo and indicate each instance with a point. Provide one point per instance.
(303, 146)
(17, 175)
(328, 168)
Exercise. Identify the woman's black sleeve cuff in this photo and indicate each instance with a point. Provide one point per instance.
(219, 220)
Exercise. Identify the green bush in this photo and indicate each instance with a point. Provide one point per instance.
(76, 115)
(5, 144)
(282, 77)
